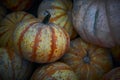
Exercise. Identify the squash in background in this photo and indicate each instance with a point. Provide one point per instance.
(40, 42)
(88, 61)
(60, 11)
(54, 71)
(8, 24)
(17, 5)
(113, 74)
(13, 67)
(98, 21)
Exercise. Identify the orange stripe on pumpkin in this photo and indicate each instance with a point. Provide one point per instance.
(59, 8)
(53, 43)
(24, 16)
(52, 70)
(57, 17)
(67, 40)
(22, 35)
(36, 43)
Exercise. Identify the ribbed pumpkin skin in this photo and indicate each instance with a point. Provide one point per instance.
(60, 11)
(17, 5)
(54, 71)
(2, 13)
(12, 67)
(99, 61)
(8, 26)
(98, 21)
(40, 42)
(114, 74)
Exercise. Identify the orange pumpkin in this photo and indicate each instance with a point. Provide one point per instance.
(98, 21)
(114, 74)
(88, 61)
(40, 42)
(60, 11)
(8, 25)
(54, 71)
(13, 67)
(2, 13)
(17, 5)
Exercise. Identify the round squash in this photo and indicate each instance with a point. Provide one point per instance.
(114, 74)
(60, 11)
(88, 61)
(40, 42)
(54, 71)
(17, 5)
(2, 13)
(12, 67)
(98, 21)
(8, 24)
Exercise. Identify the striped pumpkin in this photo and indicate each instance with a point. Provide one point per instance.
(2, 13)
(39, 42)
(8, 25)
(17, 5)
(89, 62)
(114, 74)
(98, 21)
(60, 11)
(54, 71)
(12, 67)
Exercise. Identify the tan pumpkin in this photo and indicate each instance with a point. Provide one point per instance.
(8, 25)
(54, 71)
(113, 74)
(2, 13)
(17, 5)
(98, 21)
(40, 42)
(13, 67)
(88, 61)
(60, 11)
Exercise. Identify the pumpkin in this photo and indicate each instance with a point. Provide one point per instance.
(2, 13)
(40, 42)
(116, 54)
(88, 61)
(113, 74)
(13, 67)
(17, 5)
(54, 71)
(60, 11)
(8, 25)
(97, 21)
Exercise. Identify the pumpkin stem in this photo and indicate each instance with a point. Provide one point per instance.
(47, 17)
(86, 59)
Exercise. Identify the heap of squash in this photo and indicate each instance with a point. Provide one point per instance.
(59, 40)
